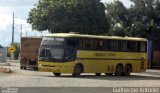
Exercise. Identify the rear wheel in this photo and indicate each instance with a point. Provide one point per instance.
(98, 74)
(57, 74)
(77, 70)
(119, 70)
(127, 70)
(109, 74)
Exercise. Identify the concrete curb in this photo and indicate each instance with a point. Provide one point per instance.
(5, 70)
(5, 64)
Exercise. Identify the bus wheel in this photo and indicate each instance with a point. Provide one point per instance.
(57, 74)
(98, 74)
(77, 70)
(127, 70)
(119, 70)
(109, 74)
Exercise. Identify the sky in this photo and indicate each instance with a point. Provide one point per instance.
(21, 9)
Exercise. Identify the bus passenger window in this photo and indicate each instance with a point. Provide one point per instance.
(95, 44)
(72, 43)
(87, 44)
(109, 45)
(123, 46)
(100, 45)
(134, 46)
(142, 47)
(81, 44)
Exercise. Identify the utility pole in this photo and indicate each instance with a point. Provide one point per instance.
(21, 31)
(13, 30)
(26, 33)
(12, 53)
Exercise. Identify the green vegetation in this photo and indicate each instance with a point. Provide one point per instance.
(92, 17)
(83, 16)
(139, 20)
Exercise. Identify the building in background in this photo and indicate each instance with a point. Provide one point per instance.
(3, 54)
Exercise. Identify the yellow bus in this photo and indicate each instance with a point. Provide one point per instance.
(76, 53)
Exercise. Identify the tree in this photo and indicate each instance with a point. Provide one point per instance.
(139, 20)
(83, 16)
(117, 14)
(1, 46)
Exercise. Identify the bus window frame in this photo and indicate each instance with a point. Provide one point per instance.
(107, 44)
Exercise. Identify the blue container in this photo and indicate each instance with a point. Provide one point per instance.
(149, 50)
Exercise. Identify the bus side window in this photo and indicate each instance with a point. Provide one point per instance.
(95, 44)
(134, 46)
(123, 45)
(109, 45)
(142, 46)
(87, 44)
(117, 45)
(106, 45)
(100, 45)
(72, 42)
(129, 46)
(81, 44)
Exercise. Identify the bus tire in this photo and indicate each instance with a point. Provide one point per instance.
(78, 69)
(119, 70)
(57, 74)
(109, 74)
(128, 70)
(98, 74)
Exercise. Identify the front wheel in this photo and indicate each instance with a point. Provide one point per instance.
(77, 70)
(57, 74)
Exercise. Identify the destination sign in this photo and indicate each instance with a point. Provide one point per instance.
(53, 38)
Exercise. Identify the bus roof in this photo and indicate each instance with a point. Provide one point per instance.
(95, 36)
(31, 37)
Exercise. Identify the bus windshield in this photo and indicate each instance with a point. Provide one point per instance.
(56, 53)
